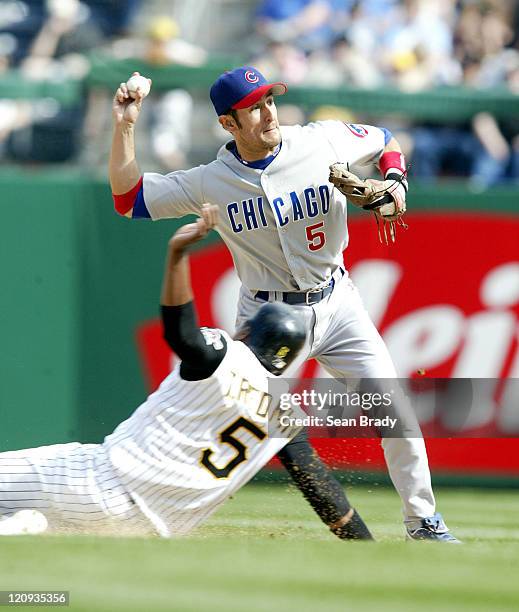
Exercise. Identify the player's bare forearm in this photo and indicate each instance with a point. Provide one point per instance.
(176, 285)
(126, 107)
(393, 145)
(123, 168)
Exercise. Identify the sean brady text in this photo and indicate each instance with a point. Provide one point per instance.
(286, 420)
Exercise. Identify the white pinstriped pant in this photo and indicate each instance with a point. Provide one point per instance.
(74, 485)
(344, 340)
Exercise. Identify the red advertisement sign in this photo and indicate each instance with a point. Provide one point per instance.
(445, 298)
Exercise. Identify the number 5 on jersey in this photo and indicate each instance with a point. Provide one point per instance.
(226, 437)
(316, 239)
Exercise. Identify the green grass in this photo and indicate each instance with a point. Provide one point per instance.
(265, 551)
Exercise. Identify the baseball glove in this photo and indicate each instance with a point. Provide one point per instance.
(386, 199)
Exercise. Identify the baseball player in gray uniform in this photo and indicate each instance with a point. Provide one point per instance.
(196, 440)
(286, 228)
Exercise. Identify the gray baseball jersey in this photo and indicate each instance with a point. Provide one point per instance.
(286, 228)
(285, 225)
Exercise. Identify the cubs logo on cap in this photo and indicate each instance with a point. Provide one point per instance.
(240, 88)
(251, 76)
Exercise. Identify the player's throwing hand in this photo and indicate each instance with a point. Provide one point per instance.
(126, 107)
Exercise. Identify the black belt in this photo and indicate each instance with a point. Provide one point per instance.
(303, 297)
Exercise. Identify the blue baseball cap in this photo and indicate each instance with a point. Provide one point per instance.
(240, 88)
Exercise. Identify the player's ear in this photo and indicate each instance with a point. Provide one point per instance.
(227, 122)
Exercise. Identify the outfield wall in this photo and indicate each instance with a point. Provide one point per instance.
(81, 289)
(77, 281)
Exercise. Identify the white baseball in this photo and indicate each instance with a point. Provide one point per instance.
(138, 82)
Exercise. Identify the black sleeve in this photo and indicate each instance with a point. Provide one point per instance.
(201, 353)
(315, 481)
(321, 489)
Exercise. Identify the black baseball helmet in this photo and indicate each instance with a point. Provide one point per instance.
(275, 335)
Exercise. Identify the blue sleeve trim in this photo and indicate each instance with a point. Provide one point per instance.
(387, 135)
(139, 208)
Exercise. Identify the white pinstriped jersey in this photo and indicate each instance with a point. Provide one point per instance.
(191, 444)
(285, 225)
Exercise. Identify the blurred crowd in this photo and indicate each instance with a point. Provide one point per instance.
(411, 45)
(49, 40)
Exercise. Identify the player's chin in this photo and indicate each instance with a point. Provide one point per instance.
(272, 137)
